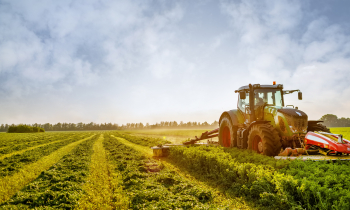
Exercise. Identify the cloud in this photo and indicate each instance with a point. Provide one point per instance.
(280, 42)
(140, 60)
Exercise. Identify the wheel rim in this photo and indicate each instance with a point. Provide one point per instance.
(258, 145)
(226, 137)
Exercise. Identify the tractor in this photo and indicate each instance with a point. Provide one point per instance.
(263, 123)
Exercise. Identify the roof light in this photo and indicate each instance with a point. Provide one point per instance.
(274, 83)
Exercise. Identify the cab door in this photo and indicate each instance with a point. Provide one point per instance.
(243, 106)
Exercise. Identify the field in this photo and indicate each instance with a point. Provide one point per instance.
(116, 170)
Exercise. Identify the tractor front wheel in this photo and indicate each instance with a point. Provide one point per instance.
(264, 139)
(227, 133)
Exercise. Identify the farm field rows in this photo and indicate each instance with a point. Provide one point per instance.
(174, 136)
(115, 170)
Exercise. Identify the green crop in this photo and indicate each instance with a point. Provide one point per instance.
(144, 141)
(14, 163)
(274, 184)
(160, 189)
(60, 186)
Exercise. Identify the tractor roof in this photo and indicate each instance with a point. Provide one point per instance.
(257, 86)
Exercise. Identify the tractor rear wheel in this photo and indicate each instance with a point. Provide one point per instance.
(227, 133)
(318, 127)
(264, 139)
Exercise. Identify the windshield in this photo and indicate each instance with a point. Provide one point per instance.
(272, 97)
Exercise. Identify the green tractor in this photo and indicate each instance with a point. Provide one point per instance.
(263, 123)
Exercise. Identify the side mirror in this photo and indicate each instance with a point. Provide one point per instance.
(300, 96)
(242, 95)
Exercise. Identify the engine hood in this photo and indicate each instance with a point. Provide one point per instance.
(288, 121)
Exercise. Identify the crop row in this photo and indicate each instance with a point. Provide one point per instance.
(60, 186)
(151, 185)
(10, 140)
(38, 142)
(102, 189)
(14, 163)
(306, 185)
(141, 140)
(275, 183)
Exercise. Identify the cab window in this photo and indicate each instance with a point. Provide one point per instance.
(270, 97)
(243, 103)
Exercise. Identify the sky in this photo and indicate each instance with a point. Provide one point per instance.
(156, 60)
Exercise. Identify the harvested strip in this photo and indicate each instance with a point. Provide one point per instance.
(26, 145)
(102, 188)
(61, 186)
(152, 185)
(16, 138)
(233, 202)
(11, 184)
(30, 148)
(13, 164)
(142, 140)
(147, 151)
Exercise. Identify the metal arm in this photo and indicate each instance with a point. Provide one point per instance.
(289, 91)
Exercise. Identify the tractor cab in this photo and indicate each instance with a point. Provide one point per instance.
(256, 97)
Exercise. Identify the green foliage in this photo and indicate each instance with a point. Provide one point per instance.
(58, 187)
(321, 184)
(21, 128)
(24, 143)
(141, 140)
(248, 156)
(14, 163)
(296, 184)
(154, 190)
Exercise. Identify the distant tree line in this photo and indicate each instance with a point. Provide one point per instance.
(110, 126)
(331, 120)
(21, 128)
(171, 125)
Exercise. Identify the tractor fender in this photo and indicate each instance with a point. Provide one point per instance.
(258, 122)
(233, 117)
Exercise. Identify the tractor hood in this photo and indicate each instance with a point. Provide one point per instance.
(288, 121)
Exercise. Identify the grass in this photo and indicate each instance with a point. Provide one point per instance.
(9, 185)
(27, 149)
(145, 150)
(218, 197)
(60, 187)
(345, 131)
(102, 189)
(170, 132)
(173, 135)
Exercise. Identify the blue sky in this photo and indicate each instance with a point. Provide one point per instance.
(151, 61)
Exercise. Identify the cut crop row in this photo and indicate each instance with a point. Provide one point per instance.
(28, 145)
(293, 186)
(13, 139)
(141, 140)
(9, 185)
(58, 187)
(150, 185)
(12, 164)
(102, 189)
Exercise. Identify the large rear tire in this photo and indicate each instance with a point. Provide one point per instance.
(318, 127)
(227, 133)
(264, 139)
